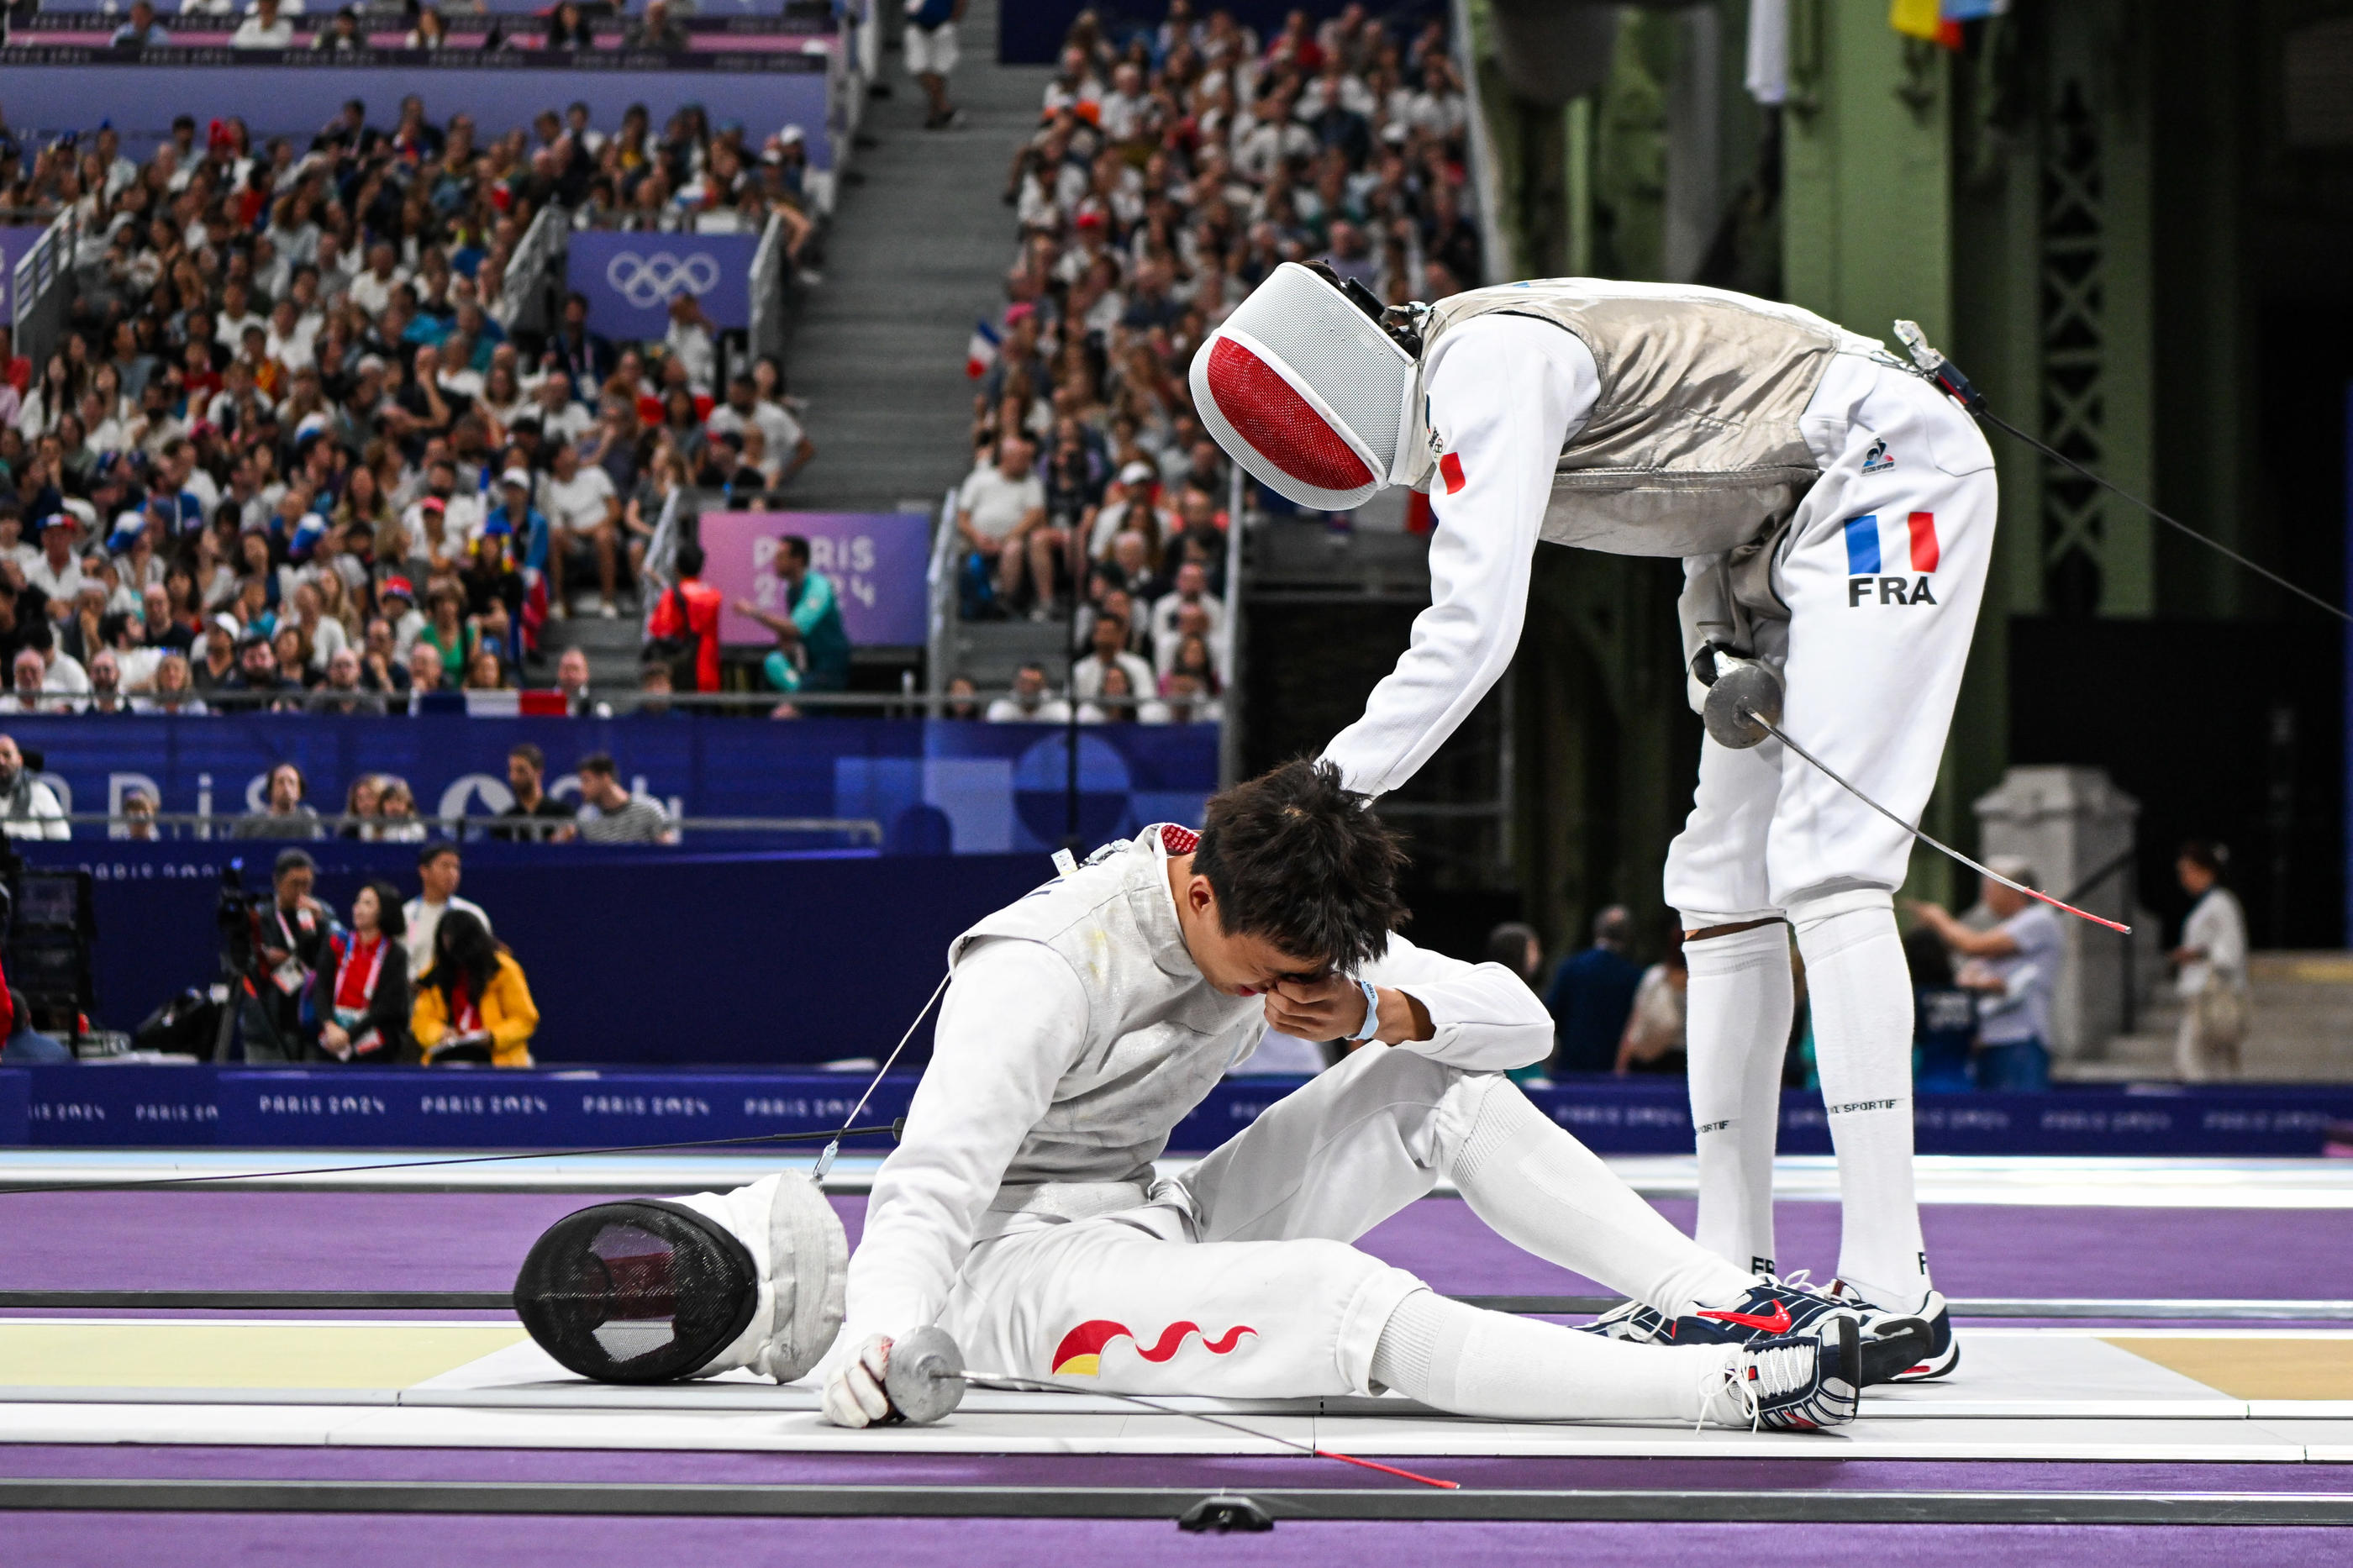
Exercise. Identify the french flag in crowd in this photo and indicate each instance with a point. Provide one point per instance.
(1875, 545)
(981, 352)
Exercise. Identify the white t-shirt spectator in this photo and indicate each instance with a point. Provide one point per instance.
(564, 425)
(1087, 679)
(423, 919)
(1168, 607)
(252, 34)
(582, 504)
(57, 584)
(372, 293)
(33, 812)
(2021, 1010)
(775, 424)
(996, 504)
(1048, 710)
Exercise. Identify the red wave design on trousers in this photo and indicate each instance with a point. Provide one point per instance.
(1092, 1338)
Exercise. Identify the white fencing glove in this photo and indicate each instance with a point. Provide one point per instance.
(853, 1392)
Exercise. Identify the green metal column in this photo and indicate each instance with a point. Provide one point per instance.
(1867, 223)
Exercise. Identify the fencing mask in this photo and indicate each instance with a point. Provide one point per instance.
(1306, 390)
(651, 1289)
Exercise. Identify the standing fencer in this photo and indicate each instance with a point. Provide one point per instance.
(1834, 513)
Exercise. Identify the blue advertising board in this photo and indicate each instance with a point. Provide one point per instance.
(631, 279)
(1002, 787)
(446, 1108)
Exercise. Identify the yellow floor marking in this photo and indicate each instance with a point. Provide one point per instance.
(240, 1355)
(2271, 1366)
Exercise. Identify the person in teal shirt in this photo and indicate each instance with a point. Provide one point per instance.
(810, 629)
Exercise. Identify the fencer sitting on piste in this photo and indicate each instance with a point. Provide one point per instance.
(1834, 515)
(1021, 1211)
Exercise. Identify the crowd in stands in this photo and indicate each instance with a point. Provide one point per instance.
(1169, 171)
(288, 453)
(408, 25)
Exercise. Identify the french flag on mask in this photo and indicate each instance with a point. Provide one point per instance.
(1891, 542)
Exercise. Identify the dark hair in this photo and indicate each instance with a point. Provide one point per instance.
(1925, 952)
(2208, 857)
(689, 561)
(792, 542)
(1508, 946)
(464, 948)
(434, 851)
(528, 754)
(389, 919)
(597, 762)
(291, 860)
(1301, 861)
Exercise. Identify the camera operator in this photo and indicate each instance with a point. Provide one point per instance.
(292, 940)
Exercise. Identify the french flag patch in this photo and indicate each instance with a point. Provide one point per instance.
(1449, 468)
(1875, 546)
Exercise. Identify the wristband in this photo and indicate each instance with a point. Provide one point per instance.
(1372, 1024)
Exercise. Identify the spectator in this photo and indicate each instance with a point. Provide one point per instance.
(343, 692)
(474, 1004)
(930, 43)
(1109, 652)
(654, 689)
(439, 869)
(812, 650)
(175, 691)
(360, 996)
(142, 31)
(138, 816)
(999, 507)
(657, 30)
(398, 809)
(1030, 701)
(2012, 967)
(1944, 1017)
(291, 938)
(962, 696)
(744, 412)
(522, 820)
(424, 674)
(1591, 995)
(572, 679)
(1187, 701)
(568, 28)
(257, 685)
(1653, 1041)
(284, 812)
(1116, 701)
(610, 813)
(2210, 968)
(1519, 949)
(28, 808)
(684, 629)
(583, 518)
(263, 28)
(1191, 598)
(25, 1047)
(451, 636)
(364, 805)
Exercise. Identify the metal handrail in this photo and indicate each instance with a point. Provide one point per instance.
(766, 334)
(618, 702)
(939, 582)
(542, 242)
(46, 265)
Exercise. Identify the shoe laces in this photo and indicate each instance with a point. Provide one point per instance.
(1757, 1375)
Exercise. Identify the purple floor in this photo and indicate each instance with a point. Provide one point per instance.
(178, 1462)
(381, 1540)
(472, 1241)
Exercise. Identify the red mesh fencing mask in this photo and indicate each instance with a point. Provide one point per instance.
(1306, 390)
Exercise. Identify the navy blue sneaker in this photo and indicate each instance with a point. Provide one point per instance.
(1933, 1351)
(1795, 1383)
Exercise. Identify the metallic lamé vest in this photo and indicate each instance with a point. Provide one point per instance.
(1693, 446)
(1158, 1036)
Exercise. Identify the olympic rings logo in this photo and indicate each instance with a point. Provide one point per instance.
(649, 280)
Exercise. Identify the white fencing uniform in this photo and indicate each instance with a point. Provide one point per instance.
(1866, 598)
(1020, 1211)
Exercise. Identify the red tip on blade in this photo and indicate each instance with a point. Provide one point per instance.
(2079, 914)
(1389, 1471)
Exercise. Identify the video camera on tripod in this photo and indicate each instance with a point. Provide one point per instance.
(48, 920)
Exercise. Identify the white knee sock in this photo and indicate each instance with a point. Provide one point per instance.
(1545, 1193)
(1739, 1007)
(1477, 1363)
(1860, 991)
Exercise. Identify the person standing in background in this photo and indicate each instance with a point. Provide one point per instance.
(1590, 995)
(2211, 967)
(931, 46)
(812, 652)
(439, 870)
(2012, 968)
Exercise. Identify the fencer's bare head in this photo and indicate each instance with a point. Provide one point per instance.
(1294, 878)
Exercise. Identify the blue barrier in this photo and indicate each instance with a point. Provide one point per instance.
(444, 1109)
(657, 956)
(1002, 786)
(64, 88)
